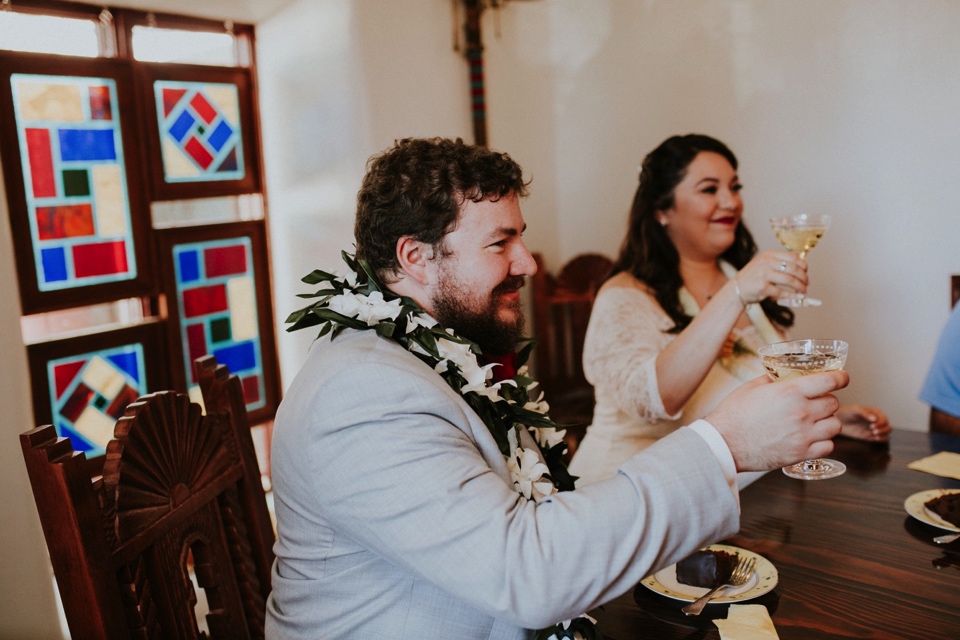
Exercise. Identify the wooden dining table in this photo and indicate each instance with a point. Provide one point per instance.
(850, 561)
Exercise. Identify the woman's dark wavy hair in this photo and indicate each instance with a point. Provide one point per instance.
(416, 189)
(647, 252)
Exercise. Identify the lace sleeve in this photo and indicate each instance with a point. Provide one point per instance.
(626, 333)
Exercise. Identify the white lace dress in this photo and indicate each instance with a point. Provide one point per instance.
(626, 333)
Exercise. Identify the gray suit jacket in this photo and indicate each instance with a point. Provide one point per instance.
(397, 519)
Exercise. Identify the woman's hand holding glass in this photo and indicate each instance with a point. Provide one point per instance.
(769, 274)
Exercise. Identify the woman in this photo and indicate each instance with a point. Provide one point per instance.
(677, 324)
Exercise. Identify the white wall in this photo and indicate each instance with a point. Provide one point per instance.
(847, 107)
(27, 605)
(340, 80)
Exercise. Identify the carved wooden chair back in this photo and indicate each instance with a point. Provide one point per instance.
(562, 306)
(180, 494)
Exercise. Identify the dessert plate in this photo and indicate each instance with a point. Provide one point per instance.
(914, 506)
(764, 579)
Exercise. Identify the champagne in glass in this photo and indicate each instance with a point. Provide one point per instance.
(785, 360)
(800, 234)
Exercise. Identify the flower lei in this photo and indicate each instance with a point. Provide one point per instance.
(359, 301)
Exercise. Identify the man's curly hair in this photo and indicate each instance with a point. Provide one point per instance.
(416, 189)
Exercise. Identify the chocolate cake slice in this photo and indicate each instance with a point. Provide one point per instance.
(706, 568)
(947, 506)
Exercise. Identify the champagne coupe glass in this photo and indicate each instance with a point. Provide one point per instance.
(799, 234)
(785, 360)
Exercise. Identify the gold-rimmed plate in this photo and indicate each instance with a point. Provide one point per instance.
(914, 505)
(763, 580)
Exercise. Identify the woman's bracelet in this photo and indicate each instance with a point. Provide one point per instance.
(736, 285)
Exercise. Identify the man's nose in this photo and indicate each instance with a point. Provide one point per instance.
(523, 262)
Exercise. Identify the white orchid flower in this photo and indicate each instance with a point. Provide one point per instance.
(566, 624)
(371, 308)
(538, 405)
(350, 277)
(527, 471)
(346, 304)
(420, 320)
(548, 437)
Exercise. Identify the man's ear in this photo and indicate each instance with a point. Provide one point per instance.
(414, 258)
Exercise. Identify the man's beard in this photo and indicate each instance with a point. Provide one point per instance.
(453, 309)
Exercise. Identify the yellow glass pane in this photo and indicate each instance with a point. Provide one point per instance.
(108, 196)
(243, 308)
(95, 426)
(175, 163)
(225, 100)
(59, 102)
(103, 378)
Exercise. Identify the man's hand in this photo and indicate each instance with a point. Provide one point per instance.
(772, 424)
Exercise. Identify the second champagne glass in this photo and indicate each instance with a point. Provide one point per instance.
(800, 234)
(785, 360)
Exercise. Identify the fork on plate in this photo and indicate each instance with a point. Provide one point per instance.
(738, 577)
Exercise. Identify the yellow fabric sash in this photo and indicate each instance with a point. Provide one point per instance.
(765, 329)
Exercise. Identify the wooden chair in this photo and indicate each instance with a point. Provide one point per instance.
(179, 488)
(561, 306)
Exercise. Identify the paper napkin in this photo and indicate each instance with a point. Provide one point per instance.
(944, 464)
(747, 622)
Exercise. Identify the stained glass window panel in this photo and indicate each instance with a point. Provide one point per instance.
(89, 393)
(200, 135)
(216, 291)
(75, 180)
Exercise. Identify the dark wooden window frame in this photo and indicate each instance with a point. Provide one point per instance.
(33, 300)
(256, 232)
(139, 123)
(147, 74)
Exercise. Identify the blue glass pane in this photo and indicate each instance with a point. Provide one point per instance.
(128, 362)
(181, 126)
(86, 144)
(220, 135)
(189, 266)
(238, 357)
(54, 264)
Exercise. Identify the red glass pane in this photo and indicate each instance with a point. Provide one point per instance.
(77, 403)
(224, 261)
(251, 389)
(196, 345)
(41, 163)
(200, 301)
(65, 221)
(63, 375)
(170, 99)
(198, 152)
(127, 395)
(100, 108)
(203, 108)
(99, 259)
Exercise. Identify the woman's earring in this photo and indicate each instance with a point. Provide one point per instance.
(663, 222)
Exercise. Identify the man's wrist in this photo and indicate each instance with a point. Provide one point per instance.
(718, 446)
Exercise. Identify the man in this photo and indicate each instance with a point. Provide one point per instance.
(398, 513)
(941, 389)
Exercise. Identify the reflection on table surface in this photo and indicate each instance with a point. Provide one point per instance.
(851, 562)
